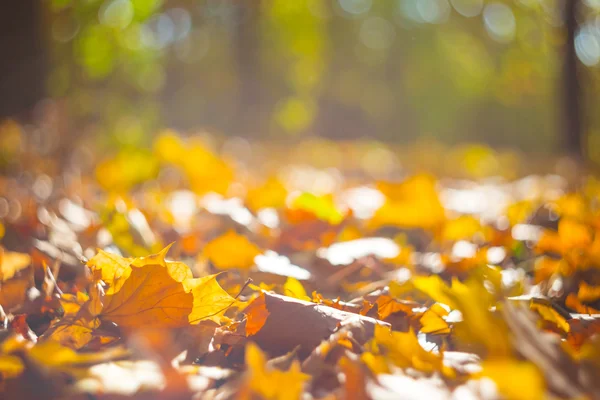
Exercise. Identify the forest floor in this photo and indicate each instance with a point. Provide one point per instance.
(184, 272)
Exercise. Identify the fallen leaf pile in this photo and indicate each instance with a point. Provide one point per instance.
(184, 272)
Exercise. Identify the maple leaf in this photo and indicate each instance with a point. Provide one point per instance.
(432, 320)
(271, 383)
(293, 288)
(472, 299)
(413, 203)
(231, 250)
(516, 380)
(11, 263)
(271, 194)
(150, 290)
(308, 206)
(205, 170)
(401, 349)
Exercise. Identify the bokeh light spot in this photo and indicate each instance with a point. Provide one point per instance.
(587, 47)
(467, 8)
(356, 7)
(500, 22)
(433, 11)
(377, 33)
(116, 13)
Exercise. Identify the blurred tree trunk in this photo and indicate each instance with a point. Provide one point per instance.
(247, 60)
(22, 69)
(573, 127)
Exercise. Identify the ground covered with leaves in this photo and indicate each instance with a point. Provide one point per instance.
(183, 273)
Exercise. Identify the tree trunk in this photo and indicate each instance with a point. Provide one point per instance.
(22, 69)
(573, 128)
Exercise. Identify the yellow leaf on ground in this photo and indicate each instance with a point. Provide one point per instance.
(321, 207)
(231, 250)
(293, 288)
(10, 366)
(403, 350)
(110, 268)
(270, 383)
(516, 380)
(272, 193)
(432, 321)
(11, 263)
(463, 227)
(153, 291)
(413, 203)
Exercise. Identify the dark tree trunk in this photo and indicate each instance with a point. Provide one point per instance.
(22, 60)
(573, 128)
(247, 61)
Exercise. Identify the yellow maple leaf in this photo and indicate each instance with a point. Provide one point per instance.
(76, 328)
(205, 170)
(413, 203)
(126, 169)
(271, 193)
(308, 205)
(480, 325)
(270, 383)
(401, 349)
(516, 380)
(231, 250)
(293, 288)
(463, 227)
(150, 290)
(11, 263)
(432, 320)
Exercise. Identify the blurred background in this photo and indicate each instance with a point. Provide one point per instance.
(520, 74)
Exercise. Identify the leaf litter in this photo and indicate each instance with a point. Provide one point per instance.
(200, 277)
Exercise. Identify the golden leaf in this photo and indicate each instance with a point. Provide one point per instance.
(432, 320)
(413, 203)
(293, 288)
(308, 205)
(10, 366)
(463, 227)
(270, 383)
(548, 313)
(153, 291)
(403, 350)
(272, 194)
(516, 380)
(231, 250)
(11, 263)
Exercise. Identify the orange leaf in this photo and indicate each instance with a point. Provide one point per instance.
(153, 291)
(231, 250)
(256, 315)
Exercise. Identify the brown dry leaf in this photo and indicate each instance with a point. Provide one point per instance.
(151, 290)
(292, 322)
(588, 293)
(231, 250)
(14, 292)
